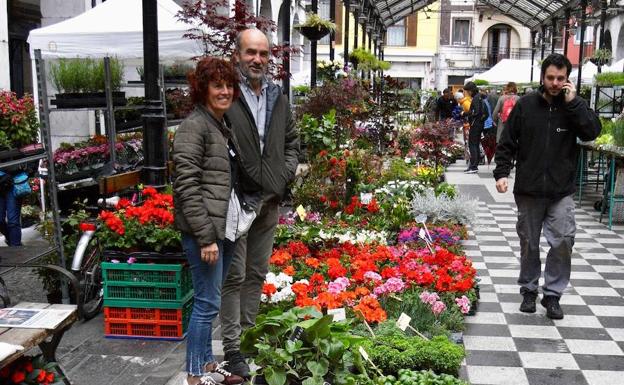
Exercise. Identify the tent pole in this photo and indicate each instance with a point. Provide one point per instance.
(582, 46)
(154, 133)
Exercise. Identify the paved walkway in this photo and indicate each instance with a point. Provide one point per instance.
(505, 346)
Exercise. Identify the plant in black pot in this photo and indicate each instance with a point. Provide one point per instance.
(601, 57)
(81, 82)
(315, 28)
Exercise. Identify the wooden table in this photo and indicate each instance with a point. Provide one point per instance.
(47, 339)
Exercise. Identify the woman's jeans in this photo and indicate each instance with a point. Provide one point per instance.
(10, 214)
(207, 282)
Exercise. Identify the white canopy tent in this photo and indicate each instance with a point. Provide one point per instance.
(510, 70)
(114, 28)
(590, 70)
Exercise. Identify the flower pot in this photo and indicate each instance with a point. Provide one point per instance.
(314, 33)
(10, 154)
(87, 99)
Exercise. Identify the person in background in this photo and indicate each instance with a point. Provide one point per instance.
(504, 106)
(10, 209)
(444, 105)
(541, 134)
(263, 126)
(476, 118)
(202, 189)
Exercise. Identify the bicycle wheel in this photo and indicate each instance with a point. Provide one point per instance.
(91, 291)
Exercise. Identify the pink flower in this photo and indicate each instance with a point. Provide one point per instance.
(338, 285)
(463, 303)
(457, 265)
(395, 285)
(429, 298)
(372, 276)
(438, 307)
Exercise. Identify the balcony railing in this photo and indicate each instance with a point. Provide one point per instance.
(492, 55)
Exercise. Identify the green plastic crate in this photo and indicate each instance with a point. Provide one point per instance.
(146, 282)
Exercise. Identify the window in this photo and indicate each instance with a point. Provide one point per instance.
(589, 34)
(323, 12)
(461, 32)
(395, 36)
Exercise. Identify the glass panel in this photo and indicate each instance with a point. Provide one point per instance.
(461, 32)
(323, 12)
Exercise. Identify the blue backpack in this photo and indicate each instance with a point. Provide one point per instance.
(21, 187)
(489, 122)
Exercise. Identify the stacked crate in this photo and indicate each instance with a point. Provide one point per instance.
(145, 300)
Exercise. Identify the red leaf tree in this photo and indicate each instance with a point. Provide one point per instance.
(216, 25)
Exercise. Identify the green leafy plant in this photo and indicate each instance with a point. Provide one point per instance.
(318, 134)
(85, 75)
(601, 56)
(395, 352)
(606, 79)
(423, 377)
(315, 21)
(301, 89)
(366, 61)
(618, 132)
(481, 82)
(302, 346)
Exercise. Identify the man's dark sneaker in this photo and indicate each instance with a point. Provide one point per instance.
(471, 171)
(236, 364)
(528, 303)
(553, 310)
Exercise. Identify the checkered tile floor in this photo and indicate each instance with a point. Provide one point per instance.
(505, 346)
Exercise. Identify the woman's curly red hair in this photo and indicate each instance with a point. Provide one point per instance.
(211, 69)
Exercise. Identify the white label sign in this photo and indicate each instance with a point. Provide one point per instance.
(363, 353)
(403, 321)
(339, 314)
(366, 198)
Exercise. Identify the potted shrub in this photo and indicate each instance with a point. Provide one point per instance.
(19, 126)
(609, 79)
(80, 83)
(601, 57)
(315, 28)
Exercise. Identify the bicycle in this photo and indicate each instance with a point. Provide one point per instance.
(86, 264)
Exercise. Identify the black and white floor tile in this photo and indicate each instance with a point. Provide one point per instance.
(505, 346)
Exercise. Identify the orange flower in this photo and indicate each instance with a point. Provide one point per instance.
(41, 376)
(280, 257)
(269, 289)
(49, 377)
(370, 309)
(312, 262)
(289, 270)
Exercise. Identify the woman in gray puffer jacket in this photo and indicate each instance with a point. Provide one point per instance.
(202, 190)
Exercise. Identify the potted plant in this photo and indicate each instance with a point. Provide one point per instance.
(609, 79)
(601, 57)
(81, 84)
(364, 60)
(19, 126)
(315, 28)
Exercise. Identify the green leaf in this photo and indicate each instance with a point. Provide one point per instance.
(318, 368)
(275, 376)
(313, 381)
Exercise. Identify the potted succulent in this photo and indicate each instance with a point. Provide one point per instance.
(315, 28)
(80, 83)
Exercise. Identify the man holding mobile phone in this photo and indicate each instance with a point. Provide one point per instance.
(541, 134)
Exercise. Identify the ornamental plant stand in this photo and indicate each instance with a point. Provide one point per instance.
(87, 99)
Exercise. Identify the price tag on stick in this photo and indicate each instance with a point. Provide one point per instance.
(365, 356)
(339, 314)
(404, 322)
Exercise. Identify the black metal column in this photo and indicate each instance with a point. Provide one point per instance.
(543, 40)
(356, 25)
(313, 46)
(370, 49)
(582, 46)
(332, 34)
(286, 43)
(552, 37)
(566, 35)
(345, 33)
(154, 132)
(533, 35)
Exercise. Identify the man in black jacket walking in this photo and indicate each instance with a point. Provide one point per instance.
(265, 132)
(541, 135)
(476, 118)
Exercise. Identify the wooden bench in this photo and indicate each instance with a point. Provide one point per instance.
(46, 339)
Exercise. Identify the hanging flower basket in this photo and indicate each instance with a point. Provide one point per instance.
(314, 33)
